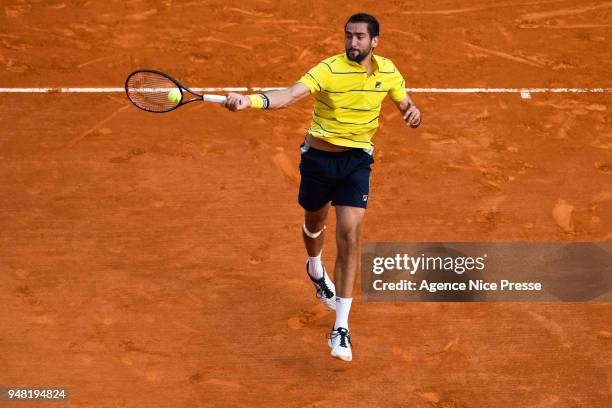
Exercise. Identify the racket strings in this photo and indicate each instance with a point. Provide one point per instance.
(150, 91)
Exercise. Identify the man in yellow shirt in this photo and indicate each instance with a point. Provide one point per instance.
(337, 154)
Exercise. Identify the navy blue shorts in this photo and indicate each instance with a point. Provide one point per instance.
(340, 177)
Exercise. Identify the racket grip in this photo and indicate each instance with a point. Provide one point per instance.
(214, 98)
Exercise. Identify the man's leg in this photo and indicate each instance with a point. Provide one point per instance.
(348, 224)
(314, 222)
(313, 232)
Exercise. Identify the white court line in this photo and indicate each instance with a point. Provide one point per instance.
(524, 92)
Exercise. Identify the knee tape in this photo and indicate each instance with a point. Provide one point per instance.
(312, 235)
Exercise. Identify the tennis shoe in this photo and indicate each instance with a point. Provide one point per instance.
(340, 343)
(325, 289)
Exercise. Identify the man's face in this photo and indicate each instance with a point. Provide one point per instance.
(357, 41)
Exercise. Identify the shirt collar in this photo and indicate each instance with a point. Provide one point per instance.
(378, 61)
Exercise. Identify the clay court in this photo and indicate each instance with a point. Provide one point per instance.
(156, 260)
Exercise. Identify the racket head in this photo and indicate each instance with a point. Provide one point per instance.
(150, 90)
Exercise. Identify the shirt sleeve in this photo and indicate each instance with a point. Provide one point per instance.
(398, 90)
(316, 78)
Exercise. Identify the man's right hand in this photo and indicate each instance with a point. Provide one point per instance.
(236, 102)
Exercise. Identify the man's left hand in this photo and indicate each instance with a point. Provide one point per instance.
(412, 116)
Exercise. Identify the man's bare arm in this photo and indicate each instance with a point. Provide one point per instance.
(411, 114)
(278, 99)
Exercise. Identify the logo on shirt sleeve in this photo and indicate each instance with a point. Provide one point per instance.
(378, 84)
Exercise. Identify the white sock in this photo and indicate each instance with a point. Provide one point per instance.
(343, 308)
(315, 268)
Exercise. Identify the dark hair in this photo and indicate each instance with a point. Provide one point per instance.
(373, 26)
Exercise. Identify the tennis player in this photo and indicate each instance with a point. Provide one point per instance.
(336, 155)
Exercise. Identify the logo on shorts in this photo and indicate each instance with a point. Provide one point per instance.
(365, 197)
(377, 85)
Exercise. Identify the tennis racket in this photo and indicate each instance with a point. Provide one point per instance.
(154, 91)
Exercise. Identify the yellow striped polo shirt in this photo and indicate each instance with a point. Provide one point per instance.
(348, 101)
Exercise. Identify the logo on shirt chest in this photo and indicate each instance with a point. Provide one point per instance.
(378, 84)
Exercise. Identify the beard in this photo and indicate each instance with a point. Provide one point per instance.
(359, 56)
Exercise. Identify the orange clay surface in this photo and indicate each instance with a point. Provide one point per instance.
(156, 260)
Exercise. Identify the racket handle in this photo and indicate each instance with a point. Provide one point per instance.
(214, 98)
